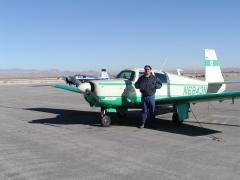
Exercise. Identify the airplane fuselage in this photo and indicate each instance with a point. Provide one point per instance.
(121, 92)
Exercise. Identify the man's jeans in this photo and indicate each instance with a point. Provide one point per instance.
(148, 105)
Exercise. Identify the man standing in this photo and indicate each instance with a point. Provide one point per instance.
(148, 84)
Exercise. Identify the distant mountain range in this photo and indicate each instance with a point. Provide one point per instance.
(21, 73)
(28, 73)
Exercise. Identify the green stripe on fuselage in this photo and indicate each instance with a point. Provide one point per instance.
(115, 101)
(211, 62)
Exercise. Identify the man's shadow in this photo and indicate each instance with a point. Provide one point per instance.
(70, 117)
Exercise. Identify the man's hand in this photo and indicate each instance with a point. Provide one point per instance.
(158, 84)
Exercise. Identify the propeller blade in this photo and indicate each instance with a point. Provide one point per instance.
(94, 96)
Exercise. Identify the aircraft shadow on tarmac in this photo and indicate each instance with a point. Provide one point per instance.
(41, 85)
(69, 117)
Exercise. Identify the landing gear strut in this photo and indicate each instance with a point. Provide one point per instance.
(106, 120)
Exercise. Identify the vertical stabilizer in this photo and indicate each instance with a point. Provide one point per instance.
(213, 74)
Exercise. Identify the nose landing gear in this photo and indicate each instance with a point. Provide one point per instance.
(105, 119)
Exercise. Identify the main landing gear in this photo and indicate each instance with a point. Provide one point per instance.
(106, 120)
(175, 117)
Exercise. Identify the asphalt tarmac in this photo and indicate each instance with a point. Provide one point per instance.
(48, 133)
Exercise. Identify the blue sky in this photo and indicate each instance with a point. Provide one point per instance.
(116, 34)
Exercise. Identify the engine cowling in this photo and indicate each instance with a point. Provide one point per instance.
(84, 87)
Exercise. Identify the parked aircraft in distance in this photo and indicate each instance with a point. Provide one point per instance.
(81, 78)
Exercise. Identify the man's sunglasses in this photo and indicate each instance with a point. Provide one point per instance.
(147, 69)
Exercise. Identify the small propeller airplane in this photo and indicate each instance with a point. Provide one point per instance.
(81, 78)
(119, 94)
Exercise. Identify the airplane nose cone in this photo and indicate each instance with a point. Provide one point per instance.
(84, 86)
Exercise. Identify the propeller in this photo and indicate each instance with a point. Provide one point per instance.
(88, 90)
(93, 94)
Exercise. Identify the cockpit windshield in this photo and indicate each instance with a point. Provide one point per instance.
(130, 75)
(160, 75)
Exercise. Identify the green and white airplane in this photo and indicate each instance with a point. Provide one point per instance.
(119, 94)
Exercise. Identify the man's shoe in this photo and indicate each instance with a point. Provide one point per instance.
(141, 126)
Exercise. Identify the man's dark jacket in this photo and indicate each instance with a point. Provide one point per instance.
(148, 85)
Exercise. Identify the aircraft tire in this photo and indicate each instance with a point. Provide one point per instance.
(175, 119)
(106, 121)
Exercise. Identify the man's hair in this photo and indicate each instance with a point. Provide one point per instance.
(147, 66)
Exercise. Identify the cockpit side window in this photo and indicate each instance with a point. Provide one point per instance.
(161, 77)
(130, 75)
(141, 73)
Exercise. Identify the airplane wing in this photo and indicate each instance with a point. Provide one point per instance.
(68, 88)
(225, 82)
(198, 98)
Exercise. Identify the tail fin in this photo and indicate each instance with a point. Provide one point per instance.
(104, 74)
(213, 72)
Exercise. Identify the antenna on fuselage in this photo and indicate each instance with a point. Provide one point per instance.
(163, 64)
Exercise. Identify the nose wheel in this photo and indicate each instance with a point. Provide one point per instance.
(106, 120)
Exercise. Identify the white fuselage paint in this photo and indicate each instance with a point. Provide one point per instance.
(175, 86)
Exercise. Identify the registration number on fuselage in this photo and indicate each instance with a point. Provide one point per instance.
(194, 90)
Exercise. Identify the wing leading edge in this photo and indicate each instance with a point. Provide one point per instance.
(68, 88)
